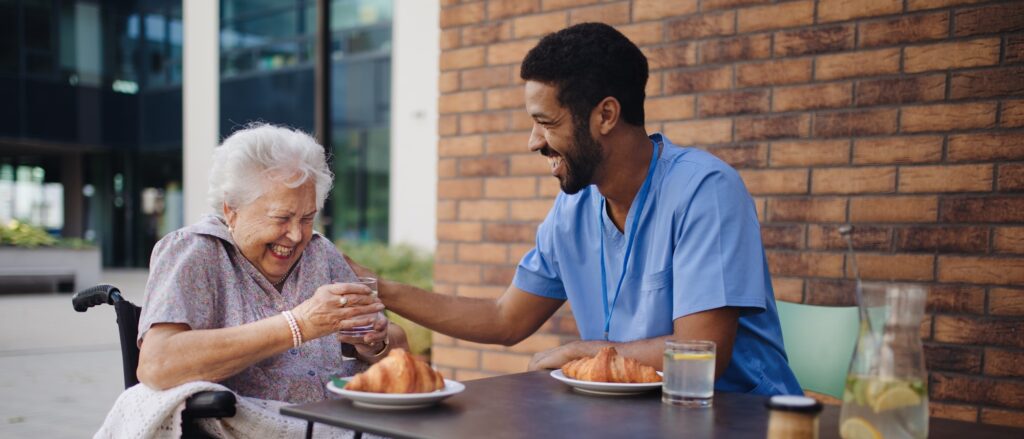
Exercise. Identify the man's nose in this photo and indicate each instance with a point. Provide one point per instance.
(537, 140)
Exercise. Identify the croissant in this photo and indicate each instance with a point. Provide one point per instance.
(399, 372)
(609, 367)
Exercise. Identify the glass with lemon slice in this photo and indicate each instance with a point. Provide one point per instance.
(876, 408)
(689, 370)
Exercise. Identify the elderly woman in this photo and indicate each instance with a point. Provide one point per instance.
(252, 297)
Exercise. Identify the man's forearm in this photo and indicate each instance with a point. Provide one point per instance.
(472, 319)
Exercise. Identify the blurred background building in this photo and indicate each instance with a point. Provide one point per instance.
(91, 133)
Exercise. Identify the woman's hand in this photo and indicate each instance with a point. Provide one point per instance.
(372, 343)
(335, 307)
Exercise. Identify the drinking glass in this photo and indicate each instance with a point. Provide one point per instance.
(689, 370)
(365, 329)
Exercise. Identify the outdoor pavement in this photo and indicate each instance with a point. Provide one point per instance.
(60, 370)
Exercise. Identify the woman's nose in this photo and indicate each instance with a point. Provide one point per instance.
(294, 231)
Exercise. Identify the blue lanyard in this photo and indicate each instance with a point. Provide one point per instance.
(640, 200)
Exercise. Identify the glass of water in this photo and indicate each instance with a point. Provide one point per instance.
(689, 370)
(365, 329)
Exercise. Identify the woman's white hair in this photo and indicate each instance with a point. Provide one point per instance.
(261, 153)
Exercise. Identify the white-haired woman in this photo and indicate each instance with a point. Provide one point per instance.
(251, 297)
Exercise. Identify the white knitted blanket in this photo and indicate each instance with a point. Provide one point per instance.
(141, 412)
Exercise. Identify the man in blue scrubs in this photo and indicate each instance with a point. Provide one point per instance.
(648, 241)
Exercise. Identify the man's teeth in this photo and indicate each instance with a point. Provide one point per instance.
(281, 250)
(555, 161)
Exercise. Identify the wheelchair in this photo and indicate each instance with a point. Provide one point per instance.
(208, 404)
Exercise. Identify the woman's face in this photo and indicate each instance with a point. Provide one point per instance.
(273, 231)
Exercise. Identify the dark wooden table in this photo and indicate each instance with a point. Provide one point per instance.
(533, 404)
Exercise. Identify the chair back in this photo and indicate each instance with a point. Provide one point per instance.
(819, 343)
(127, 324)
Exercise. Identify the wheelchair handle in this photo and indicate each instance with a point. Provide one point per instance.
(96, 295)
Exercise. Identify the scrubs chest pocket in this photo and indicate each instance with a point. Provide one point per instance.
(657, 282)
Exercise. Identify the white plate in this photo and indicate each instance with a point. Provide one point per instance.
(599, 388)
(398, 401)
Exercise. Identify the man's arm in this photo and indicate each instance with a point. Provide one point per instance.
(717, 325)
(506, 320)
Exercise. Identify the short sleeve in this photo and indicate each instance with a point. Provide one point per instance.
(182, 286)
(718, 259)
(538, 272)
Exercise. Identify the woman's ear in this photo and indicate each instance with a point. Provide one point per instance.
(230, 215)
(606, 115)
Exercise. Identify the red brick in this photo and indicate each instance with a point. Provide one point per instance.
(676, 55)
(459, 231)
(528, 164)
(742, 155)
(985, 147)
(448, 82)
(486, 77)
(455, 357)
(483, 210)
(497, 9)
(979, 330)
(487, 33)
(810, 153)
(447, 168)
(700, 132)
(817, 40)
(905, 29)
(915, 5)
(504, 98)
(508, 53)
(510, 232)
(483, 123)
(510, 187)
(445, 252)
(983, 210)
(988, 83)
(505, 363)
(529, 210)
(901, 90)
(460, 189)
(460, 146)
(643, 34)
(497, 275)
(733, 102)
(463, 14)
(787, 71)
(521, 121)
(483, 166)
(654, 84)
(958, 54)
(977, 390)
(812, 97)
(774, 181)
(1009, 240)
(1011, 418)
(952, 358)
(959, 412)
(981, 270)
(710, 5)
(861, 63)
(457, 273)
(1007, 17)
(507, 143)
(669, 108)
(483, 253)
(827, 237)
(839, 10)
(548, 5)
(702, 25)
(614, 13)
(956, 299)
(1003, 363)
(1014, 50)
(943, 239)
(853, 180)
(1012, 114)
(1006, 302)
(461, 102)
(462, 58)
(782, 236)
(948, 117)
(829, 292)
(855, 123)
(896, 150)
(450, 38)
(747, 47)
(772, 127)
(658, 9)
(537, 25)
(788, 289)
(806, 264)
(446, 210)
(808, 209)
(778, 16)
(961, 178)
(688, 81)
(894, 209)
(1011, 177)
(448, 125)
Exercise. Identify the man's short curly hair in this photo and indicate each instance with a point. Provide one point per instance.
(588, 62)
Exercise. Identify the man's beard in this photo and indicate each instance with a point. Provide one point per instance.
(581, 161)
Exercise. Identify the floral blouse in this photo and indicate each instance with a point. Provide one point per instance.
(198, 277)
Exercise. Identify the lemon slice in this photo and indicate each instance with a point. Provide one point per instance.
(896, 397)
(858, 428)
(685, 356)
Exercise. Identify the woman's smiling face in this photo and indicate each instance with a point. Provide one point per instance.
(272, 231)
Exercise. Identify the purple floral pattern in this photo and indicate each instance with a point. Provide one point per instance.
(198, 277)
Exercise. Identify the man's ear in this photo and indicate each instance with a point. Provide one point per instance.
(605, 115)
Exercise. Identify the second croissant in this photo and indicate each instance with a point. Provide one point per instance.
(609, 367)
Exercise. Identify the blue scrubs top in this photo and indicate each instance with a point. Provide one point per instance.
(698, 247)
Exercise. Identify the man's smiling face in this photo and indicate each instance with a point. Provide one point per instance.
(574, 155)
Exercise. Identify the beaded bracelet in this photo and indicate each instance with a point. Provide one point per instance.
(294, 326)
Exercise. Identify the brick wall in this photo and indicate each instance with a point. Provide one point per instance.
(903, 117)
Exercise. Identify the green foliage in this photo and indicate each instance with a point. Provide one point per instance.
(401, 264)
(19, 234)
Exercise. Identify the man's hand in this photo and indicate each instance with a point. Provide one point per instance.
(556, 357)
(360, 270)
